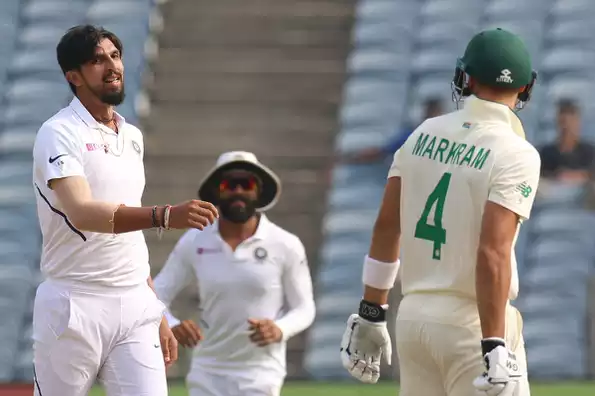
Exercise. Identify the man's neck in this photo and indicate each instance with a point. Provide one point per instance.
(567, 143)
(100, 111)
(234, 231)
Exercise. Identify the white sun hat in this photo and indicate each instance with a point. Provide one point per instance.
(270, 187)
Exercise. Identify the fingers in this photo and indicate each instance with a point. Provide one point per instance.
(387, 352)
(192, 331)
(182, 336)
(209, 207)
(173, 352)
(165, 350)
(201, 214)
(365, 370)
(263, 332)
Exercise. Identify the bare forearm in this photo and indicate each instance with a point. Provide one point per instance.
(492, 278)
(385, 243)
(128, 219)
(376, 296)
(97, 216)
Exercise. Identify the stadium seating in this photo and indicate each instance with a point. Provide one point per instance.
(405, 51)
(34, 89)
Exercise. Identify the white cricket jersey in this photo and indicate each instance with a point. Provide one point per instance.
(73, 143)
(450, 167)
(266, 277)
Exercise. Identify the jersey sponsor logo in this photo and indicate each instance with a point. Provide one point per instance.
(525, 189)
(449, 152)
(260, 253)
(505, 77)
(53, 159)
(96, 146)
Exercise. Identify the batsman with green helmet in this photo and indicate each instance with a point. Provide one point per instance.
(456, 195)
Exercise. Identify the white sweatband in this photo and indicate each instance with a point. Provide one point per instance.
(378, 274)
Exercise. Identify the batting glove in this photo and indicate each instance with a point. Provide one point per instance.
(365, 341)
(502, 373)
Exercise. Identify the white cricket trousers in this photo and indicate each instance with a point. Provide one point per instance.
(438, 340)
(264, 383)
(111, 335)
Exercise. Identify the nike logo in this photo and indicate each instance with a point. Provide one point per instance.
(156, 346)
(52, 160)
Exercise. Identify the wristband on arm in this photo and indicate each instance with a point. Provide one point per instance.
(378, 274)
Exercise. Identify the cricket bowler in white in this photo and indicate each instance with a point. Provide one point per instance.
(456, 195)
(254, 285)
(95, 315)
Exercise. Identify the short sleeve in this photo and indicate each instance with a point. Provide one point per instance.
(395, 168)
(57, 153)
(514, 180)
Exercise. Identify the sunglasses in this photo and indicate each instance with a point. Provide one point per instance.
(231, 183)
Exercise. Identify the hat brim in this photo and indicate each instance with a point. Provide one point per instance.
(270, 189)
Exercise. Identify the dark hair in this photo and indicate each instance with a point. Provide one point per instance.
(78, 44)
(568, 106)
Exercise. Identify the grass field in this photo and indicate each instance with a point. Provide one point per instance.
(385, 389)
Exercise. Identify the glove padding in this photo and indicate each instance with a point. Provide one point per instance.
(502, 374)
(362, 346)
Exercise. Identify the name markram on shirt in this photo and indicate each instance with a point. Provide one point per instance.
(450, 152)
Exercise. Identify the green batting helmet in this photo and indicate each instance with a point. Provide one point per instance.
(496, 58)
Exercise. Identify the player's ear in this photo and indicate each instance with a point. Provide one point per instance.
(74, 77)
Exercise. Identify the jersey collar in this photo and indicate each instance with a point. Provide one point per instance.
(82, 112)
(485, 110)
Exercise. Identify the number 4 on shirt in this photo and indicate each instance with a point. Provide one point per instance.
(434, 233)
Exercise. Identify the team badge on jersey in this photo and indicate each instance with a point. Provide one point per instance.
(260, 253)
(136, 147)
(466, 125)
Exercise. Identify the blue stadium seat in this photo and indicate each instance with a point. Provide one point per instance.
(513, 10)
(356, 220)
(576, 33)
(439, 61)
(388, 36)
(375, 61)
(573, 9)
(366, 114)
(133, 10)
(42, 60)
(66, 13)
(375, 90)
(567, 60)
(33, 89)
(41, 36)
(359, 138)
(372, 11)
(30, 112)
(450, 34)
(450, 10)
(344, 199)
(19, 138)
